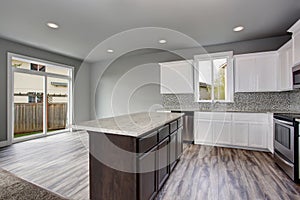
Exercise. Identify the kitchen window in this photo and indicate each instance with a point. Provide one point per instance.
(214, 77)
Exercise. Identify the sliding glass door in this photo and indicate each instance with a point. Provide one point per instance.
(28, 105)
(57, 104)
(40, 98)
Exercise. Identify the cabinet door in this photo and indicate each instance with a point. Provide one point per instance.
(176, 78)
(203, 132)
(222, 132)
(296, 40)
(290, 68)
(285, 63)
(258, 135)
(172, 146)
(266, 68)
(256, 72)
(245, 74)
(163, 162)
(283, 70)
(240, 134)
(147, 175)
(179, 145)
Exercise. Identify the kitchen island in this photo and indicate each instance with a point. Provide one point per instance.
(132, 156)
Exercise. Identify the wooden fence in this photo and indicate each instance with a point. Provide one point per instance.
(29, 117)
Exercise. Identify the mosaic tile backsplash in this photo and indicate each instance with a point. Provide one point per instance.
(256, 102)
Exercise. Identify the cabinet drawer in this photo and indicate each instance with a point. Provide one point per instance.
(219, 116)
(163, 133)
(147, 142)
(251, 117)
(203, 115)
(180, 122)
(173, 126)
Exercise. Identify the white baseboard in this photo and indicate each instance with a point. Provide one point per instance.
(231, 146)
(4, 143)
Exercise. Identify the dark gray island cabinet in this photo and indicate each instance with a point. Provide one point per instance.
(132, 156)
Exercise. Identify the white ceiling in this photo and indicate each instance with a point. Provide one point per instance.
(86, 23)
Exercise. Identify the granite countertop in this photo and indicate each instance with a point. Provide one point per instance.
(133, 125)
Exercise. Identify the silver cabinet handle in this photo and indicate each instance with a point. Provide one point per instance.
(283, 122)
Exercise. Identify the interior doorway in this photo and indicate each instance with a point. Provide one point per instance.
(39, 98)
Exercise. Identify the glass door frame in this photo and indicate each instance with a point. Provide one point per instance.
(10, 95)
(69, 109)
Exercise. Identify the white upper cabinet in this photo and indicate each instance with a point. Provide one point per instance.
(244, 68)
(266, 67)
(176, 77)
(256, 72)
(285, 64)
(295, 29)
(296, 39)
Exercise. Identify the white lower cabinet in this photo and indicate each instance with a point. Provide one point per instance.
(240, 134)
(221, 132)
(247, 130)
(203, 131)
(258, 136)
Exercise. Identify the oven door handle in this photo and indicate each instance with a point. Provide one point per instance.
(284, 161)
(283, 122)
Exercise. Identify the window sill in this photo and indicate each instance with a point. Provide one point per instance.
(209, 101)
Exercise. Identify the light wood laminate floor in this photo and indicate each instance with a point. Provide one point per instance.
(60, 163)
(206, 172)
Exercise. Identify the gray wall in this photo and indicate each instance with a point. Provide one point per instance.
(127, 85)
(82, 93)
(13, 47)
(108, 96)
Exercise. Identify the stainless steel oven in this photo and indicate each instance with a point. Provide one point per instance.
(284, 139)
(286, 144)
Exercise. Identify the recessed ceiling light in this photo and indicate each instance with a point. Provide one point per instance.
(162, 41)
(52, 25)
(238, 28)
(110, 51)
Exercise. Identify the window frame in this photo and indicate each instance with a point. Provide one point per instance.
(229, 78)
(10, 96)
